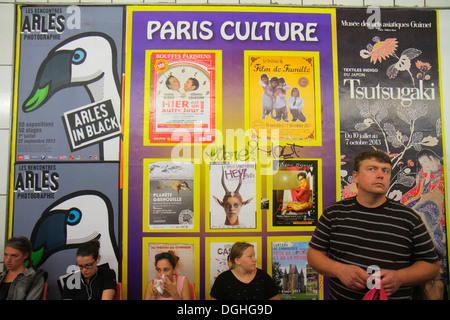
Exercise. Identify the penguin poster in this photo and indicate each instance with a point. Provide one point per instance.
(68, 89)
(62, 205)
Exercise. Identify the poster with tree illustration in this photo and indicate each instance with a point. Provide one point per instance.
(389, 100)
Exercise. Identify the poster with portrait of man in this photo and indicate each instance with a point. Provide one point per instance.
(295, 188)
(182, 101)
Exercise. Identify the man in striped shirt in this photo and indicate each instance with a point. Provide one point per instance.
(372, 230)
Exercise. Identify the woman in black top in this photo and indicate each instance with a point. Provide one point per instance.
(97, 282)
(244, 281)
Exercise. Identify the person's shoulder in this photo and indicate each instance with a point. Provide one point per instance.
(106, 271)
(400, 208)
(262, 273)
(36, 273)
(343, 203)
(225, 275)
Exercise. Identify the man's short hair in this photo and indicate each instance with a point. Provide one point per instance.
(195, 83)
(168, 84)
(368, 154)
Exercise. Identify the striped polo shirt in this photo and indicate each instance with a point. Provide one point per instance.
(391, 236)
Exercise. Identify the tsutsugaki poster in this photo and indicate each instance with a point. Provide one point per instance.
(390, 100)
(68, 84)
(188, 78)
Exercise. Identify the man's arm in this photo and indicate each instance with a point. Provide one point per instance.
(417, 273)
(351, 276)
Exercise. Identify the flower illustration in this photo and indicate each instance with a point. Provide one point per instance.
(380, 51)
(350, 190)
(424, 67)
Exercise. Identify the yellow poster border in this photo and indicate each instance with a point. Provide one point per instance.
(270, 226)
(444, 148)
(246, 8)
(317, 92)
(208, 196)
(168, 240)
(145, 196)
(271, 240)
(209, 240)
(14, 123)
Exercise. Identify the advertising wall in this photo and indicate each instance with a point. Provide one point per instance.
(135, 124)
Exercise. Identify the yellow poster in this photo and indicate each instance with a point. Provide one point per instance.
(283, 96)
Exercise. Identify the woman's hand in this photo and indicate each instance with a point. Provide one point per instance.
(171, 287)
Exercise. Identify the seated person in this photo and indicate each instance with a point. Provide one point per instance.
(97, 282)
(172, 286)
(244, 281)
(18, 282)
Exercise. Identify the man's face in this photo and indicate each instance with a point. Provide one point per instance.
(189, 85)
(174, 84)
(301, 181)
(373, 176)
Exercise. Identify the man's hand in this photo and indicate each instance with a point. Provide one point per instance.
(352, 277)
(391, 281)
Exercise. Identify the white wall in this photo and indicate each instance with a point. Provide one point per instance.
(7, 38)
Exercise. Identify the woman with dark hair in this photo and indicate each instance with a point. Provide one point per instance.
(244, 281)
(97, 282)
(168, 285)
(19, 282)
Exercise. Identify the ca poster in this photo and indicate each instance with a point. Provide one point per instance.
(217, 251)
(390, 100)
(68, 83)
(59, 206)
